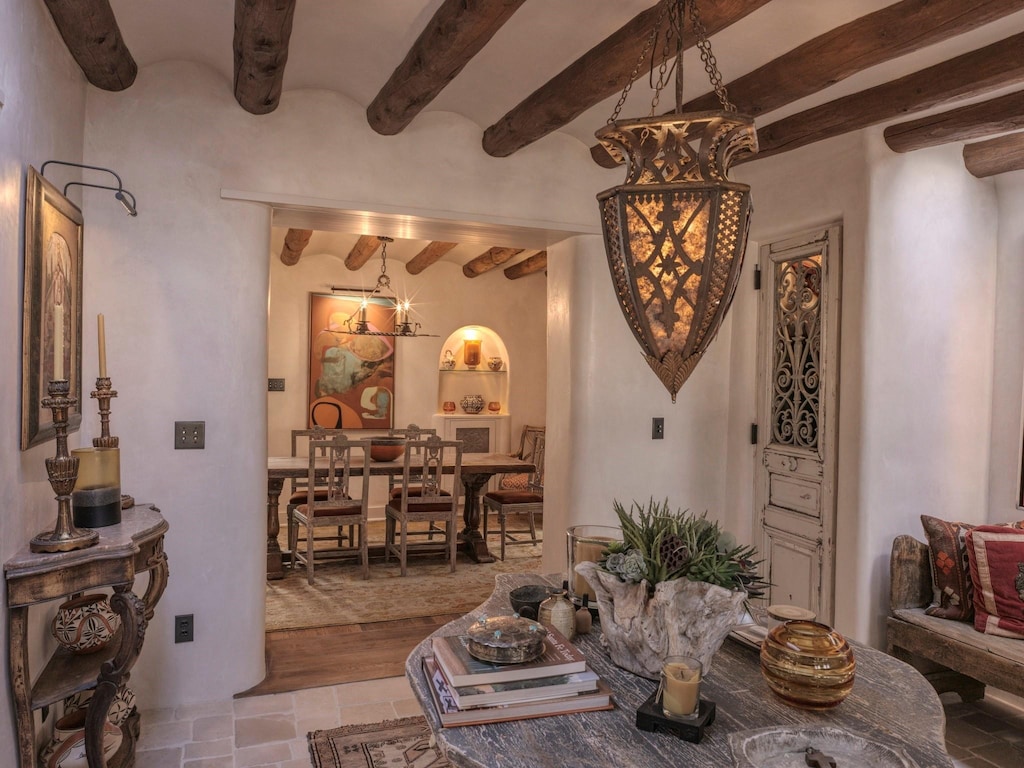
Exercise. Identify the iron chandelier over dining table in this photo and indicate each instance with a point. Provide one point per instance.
(676, 230)
(404, 325)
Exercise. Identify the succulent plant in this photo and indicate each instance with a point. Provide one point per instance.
(659, 545)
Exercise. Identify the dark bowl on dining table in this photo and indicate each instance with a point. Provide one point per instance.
(386, 449)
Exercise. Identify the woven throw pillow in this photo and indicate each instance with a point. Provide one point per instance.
(996, 556)
(952, 591)
(519, 481)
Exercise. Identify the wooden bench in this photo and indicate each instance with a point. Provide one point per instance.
(952, 655)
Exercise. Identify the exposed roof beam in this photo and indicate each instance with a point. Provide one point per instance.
(452, 37)
(262, 32)
(487, 261)
(886, 34)
(599, 73)
(361, 252)
(999, 155)
(294, 243)
(974, 121)
(536, 263)
(92, 36)
(427, 256)
(972, 74)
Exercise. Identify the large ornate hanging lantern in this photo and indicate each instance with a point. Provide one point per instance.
(676, 230)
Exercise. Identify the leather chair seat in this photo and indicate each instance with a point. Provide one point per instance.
(331, 511)
(515, 497)
(414, 491)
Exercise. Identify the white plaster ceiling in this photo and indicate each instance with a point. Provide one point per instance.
(353, 46)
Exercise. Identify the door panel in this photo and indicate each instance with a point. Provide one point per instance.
(797, 404)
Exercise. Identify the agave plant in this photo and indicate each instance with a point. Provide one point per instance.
(659, 545)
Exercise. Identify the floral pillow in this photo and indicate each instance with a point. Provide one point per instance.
(996, 556)
(952, 589)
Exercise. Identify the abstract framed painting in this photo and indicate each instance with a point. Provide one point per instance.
(351, 375)
(51, 346)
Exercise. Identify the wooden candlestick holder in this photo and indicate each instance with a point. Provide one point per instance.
(62, 470)
(103, 393)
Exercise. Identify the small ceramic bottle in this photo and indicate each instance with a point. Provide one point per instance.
(584, 621)
(558, 612)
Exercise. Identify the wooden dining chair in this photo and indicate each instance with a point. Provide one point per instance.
(527, 502)
(340, 505)
(422, 498)
(412, 432)
(303, 438)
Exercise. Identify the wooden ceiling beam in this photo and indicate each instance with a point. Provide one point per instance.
(535, 263)
(974, 121)
(427, 256)
(831, 57)
(295, 243)
(455, 34)
(94, 40)
(995, 66)
(493, 257)
(361, 252)
(263, 29)
(999, 155)
(599, 73)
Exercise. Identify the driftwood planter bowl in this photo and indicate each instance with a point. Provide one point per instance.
(681, 618)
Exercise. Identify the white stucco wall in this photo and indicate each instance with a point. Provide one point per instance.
(1008, 372)
(184, 290)
(42, 118)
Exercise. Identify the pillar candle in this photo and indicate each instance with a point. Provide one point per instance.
(471, 353)
(101, 335)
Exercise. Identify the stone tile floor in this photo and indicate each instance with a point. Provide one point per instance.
(270, 731)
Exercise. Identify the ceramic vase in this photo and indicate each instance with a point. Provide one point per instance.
(472, 403)
(495, 363)
(680, 618)
(85, 624)
(808, 664)
(120, 708)
(67, 747)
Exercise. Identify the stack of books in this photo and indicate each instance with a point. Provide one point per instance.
(468, 691)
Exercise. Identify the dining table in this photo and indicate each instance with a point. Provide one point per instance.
(477, 469)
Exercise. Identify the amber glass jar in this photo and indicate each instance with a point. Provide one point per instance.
(808, 664)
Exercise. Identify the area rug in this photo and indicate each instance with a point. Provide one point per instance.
(405, 743)
(339, 596)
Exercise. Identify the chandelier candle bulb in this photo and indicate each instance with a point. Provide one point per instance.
(101, 336)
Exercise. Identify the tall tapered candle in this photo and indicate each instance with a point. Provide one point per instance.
(102, 336)
(58, 341)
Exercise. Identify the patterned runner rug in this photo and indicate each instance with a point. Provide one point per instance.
(405, 743)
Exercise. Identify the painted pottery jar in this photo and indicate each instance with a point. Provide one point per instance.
(120, 708)
(472, 403)
(808, 664)
(85, 624)
(448, 362)
(495, 363)
(67, 747)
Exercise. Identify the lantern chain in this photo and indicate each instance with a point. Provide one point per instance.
(708, 57)
(640, 60)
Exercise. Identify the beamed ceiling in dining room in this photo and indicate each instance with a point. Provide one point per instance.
(930, 71)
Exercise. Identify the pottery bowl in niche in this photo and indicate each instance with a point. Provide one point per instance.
(85, 624)
(472, 403)
(526, 600)
(495, 363)
(386, 449)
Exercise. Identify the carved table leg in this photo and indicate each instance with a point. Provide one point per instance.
(114, 673)
(473, 542)
(275, 567)
(18, 666)
(158, 573)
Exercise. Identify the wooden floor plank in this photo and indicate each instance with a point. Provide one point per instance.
(320, 656)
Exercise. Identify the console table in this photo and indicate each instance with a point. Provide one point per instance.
(133, 546)
(890, 703)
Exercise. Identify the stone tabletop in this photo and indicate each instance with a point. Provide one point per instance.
(890, 703)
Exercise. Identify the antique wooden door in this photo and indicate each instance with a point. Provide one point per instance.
(798, 377)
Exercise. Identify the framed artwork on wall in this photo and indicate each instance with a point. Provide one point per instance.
(351, 376)
(51, 346)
